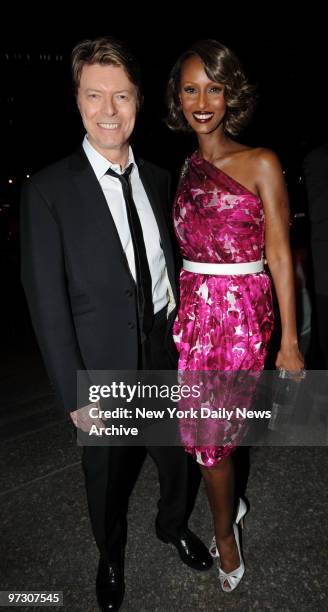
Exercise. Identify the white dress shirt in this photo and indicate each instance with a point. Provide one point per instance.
(113, 193)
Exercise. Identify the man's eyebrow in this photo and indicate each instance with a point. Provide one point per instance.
(101, 91)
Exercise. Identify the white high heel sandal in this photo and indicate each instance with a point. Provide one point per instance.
(241, 513)
(232, 578)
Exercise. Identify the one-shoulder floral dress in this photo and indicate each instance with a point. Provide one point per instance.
(224, 323)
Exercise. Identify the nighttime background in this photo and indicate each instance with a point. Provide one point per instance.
(46, 536)
(39, 122)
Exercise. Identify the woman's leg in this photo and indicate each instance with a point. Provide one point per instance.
(220, 487)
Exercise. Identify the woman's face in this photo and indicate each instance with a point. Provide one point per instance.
(202, 100)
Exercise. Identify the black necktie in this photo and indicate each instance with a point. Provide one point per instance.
(144, 284)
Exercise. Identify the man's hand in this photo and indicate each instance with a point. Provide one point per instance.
(83, 420)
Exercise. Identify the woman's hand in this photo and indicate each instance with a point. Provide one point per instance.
(290, 358)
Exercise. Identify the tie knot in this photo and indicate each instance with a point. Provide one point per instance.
(128, 170)
(124, 175)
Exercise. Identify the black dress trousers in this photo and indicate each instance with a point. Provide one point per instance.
(111, 471)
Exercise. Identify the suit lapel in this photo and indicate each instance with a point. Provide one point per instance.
(157, 200)
(94, 201)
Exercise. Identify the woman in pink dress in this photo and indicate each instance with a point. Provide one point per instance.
(231, 207)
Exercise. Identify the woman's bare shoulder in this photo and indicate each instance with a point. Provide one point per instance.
(264, 157)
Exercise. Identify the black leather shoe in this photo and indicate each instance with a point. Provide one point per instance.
(191, 549)
(110, 585)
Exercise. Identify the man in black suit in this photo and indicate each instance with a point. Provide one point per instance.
(100, 283)
(315, 168)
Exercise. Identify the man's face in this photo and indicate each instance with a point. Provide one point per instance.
(107, 101)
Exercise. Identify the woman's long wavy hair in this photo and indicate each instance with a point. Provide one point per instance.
(221, 66)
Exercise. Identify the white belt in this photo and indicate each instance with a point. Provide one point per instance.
(250, 267)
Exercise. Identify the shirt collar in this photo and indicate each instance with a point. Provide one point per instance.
(100, 164)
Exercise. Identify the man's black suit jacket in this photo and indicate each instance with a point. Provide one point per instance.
(79, 288)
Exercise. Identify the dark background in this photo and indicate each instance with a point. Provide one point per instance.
(45, 535)
(39, 122)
